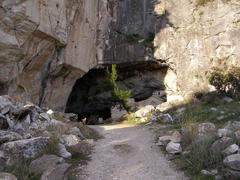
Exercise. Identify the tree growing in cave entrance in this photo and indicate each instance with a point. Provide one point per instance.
(119, 95)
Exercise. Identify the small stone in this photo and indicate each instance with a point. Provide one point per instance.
(163, 140)
(224, 132)
(7, 176)
(206, 173)
(214, 109)
(69, 140)
(144, 111)
(231, 149)
(220, 117)
(232, 162)
(62, 151)
(227, 99)
(59, 172)
(76, 131)
(174, 148)
(221, 144)
(205, 128)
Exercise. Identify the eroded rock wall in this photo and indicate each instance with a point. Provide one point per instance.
(197, 38)
(45, 46)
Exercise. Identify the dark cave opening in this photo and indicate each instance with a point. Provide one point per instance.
(92, 102)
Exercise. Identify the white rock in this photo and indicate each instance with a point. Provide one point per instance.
(174, 148)
(143, 112)
(76, 131)
(163, 140)
(69, 140)
(50, 112)
(231, 149)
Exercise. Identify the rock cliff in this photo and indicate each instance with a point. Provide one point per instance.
(45, 46)
(197, 37)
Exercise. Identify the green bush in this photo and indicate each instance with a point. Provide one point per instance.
(226, 82)
(119, 95)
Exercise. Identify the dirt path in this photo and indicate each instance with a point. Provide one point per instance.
(128, 153)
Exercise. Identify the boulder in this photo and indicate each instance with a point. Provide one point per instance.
(76, 131)
(7, 176)
(224, 132)
(163, 140)
(222, 144)
(3, 122)
(117, 113)
(5, 104)
(232, 162)
(83, 147)
(27, 148)
(144, 111)
(7, 136)
(62, 152)
(46, 162)
(59, 172)
(174, 148)
(206, 128)
(231, 149)
(69, 140)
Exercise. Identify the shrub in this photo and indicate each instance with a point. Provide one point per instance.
(226, 82)
(119, 95)
(201, 156)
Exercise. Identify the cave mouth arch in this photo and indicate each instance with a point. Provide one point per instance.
(89, 99)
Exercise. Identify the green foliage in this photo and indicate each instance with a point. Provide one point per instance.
(119, 95)
(227, 82)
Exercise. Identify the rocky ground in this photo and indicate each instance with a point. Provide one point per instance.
(38, 144)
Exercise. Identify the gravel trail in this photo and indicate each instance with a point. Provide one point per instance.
(128, 153)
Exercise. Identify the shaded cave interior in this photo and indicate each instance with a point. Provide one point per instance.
(89, 99)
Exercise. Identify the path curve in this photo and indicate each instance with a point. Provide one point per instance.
(128, 153)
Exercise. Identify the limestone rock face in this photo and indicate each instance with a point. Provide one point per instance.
(197, 38)
(46, 46)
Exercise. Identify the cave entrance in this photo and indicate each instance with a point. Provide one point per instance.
(92, 101)
(89, 99)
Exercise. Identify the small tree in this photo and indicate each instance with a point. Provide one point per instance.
(119, 95)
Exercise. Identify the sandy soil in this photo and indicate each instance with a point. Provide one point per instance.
(128, 153)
